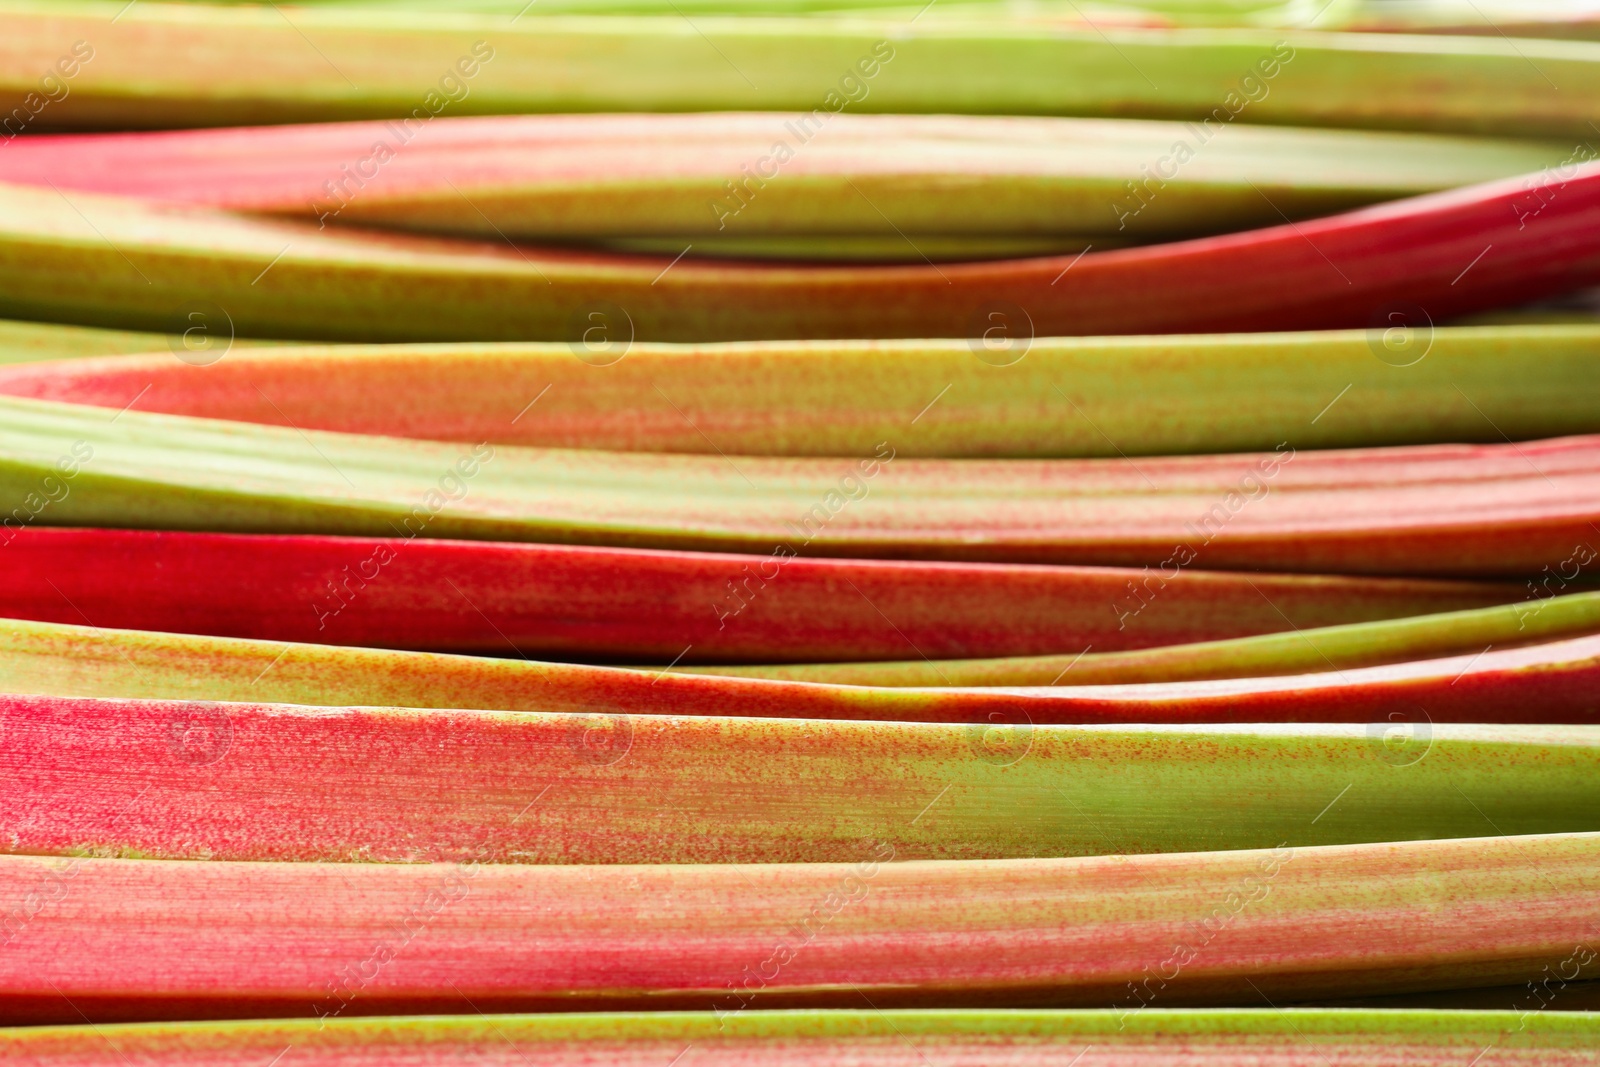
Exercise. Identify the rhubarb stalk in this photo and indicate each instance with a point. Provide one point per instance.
(163, 65)
(36, 342)
(1551, 682)
(191, 780)
(1484, 510)
(1269, 1037)
(1538, 618)
(1132, 933)
(116, 261)
(1404, 382)
(582, 177)
(563, 601)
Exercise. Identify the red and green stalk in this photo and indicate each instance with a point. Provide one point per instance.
(704, 177)
(1509, 510)
(1542, 617)
(1060, 397)
(1552, 682)
(201, 779)
(143, 939)
(122, 262)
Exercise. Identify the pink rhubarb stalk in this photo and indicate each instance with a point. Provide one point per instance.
(584, 177)
(141, 939)
(204, 779)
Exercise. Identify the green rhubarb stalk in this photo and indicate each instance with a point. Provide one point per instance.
(1488, 510)
(1194, 928)
(855, 248)
(90, 661)
(1548, 682)
(1580, 21)
(234, 781)
(1270, 1037)
(1511, 19)
(68, 660)
(1105, 12)
(157, 65)
(37, 342)
(33, 342)
(1542, 617)
(1399, 384)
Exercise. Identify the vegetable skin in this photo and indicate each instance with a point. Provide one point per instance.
(1552, 682)
(1509, 510)
(1104, 397)
(166, 65)
(235, 781)
(1269, 1037)
(564, 601)
(1541, 617)
(133, 264)
(587, 177)
(143, 939)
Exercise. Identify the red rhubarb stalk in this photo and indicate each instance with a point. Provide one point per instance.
(559, 601)
(1541, 617)
(143, 939)
(205, 779)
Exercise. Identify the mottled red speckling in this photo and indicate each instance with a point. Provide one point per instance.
(132, 939)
